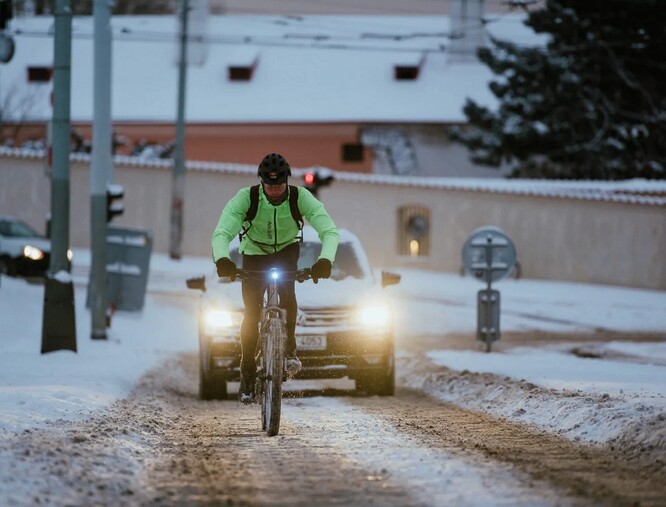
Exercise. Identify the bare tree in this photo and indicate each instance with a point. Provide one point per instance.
(17, 107)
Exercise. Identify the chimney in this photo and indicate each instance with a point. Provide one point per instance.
(467, 30)
(197, 28)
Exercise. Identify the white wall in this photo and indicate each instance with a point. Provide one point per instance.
(556, 238)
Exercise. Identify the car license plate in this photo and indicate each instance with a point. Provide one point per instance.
(311, 342)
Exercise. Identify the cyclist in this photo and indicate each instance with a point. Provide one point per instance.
(270, 239)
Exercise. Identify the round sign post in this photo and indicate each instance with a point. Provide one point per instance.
(489, 255)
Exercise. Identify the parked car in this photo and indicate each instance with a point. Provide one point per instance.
(23, 251)
(343, 329)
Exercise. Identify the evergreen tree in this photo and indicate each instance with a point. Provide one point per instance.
(590, 103)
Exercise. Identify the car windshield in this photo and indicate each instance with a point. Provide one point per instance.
(17, 229)
(346, 262)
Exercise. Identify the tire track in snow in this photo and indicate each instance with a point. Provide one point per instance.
(433, 474)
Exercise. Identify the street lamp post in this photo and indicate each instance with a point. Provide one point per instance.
(59, 323)
(178, 186)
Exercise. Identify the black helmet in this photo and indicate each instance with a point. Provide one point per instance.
(274, 169)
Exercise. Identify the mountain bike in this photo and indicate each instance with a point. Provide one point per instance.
(271, 365)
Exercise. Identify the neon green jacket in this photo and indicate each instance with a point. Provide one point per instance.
(273, 228)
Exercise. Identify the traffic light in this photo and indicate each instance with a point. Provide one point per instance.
(318, 178)
(6, 13)
(114, 205)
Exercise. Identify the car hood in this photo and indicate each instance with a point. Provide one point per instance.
(331, 293)
(325, 294)
(14, 246)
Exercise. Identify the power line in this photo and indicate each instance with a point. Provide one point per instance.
(327, 43)
(338, 40)
(318, 40)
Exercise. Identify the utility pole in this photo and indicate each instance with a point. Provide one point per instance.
(59, 319)
(101, 168)
(178, 184)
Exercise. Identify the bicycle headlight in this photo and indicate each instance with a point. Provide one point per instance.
(274, 274)
(373, 315)
(32, 252)
(216, 320)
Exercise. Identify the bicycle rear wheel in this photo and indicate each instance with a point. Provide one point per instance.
(271, 403)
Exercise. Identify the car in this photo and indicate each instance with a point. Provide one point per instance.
(23, 251)
(343, 328)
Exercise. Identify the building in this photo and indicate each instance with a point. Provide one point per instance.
(353, 93)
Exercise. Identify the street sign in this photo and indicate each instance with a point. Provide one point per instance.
(489, 254)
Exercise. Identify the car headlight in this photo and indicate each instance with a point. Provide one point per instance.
(376, 316)
(216, 320)
(32, 252)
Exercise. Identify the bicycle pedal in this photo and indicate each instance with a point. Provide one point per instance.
(293, 368)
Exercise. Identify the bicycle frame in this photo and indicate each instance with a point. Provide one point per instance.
(272, 336)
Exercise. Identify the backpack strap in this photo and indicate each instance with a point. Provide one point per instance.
(254, 206)
(251, 211)
(295, 212)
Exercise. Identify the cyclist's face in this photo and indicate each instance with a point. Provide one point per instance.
(275, 191)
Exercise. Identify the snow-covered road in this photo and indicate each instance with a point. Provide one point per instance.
(579, 371)
(163, 446)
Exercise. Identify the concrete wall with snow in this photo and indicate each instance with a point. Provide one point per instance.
(598, 232)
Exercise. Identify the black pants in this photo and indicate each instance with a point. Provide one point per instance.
(253, 294)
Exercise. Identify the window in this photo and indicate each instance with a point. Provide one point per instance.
(346, 262)
(414, 231)
(241, 63)
(406, 72)
(237, 73)
(352, 152)
(409, 67)
(17, 229)
(39, 74)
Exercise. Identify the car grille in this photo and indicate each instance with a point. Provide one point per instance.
(324, 317)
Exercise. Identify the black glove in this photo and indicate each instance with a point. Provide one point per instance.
(226, 267)
(320, 269)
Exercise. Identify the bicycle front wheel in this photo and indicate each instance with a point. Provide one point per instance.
(274, 362)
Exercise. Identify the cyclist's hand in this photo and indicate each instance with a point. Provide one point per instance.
(320, 269)
(226, 267)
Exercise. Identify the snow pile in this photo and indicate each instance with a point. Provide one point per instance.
(568, 382)
(578, 398)
(37, 388)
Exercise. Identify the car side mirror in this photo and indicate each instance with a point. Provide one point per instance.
(198, 282)
(390, 278)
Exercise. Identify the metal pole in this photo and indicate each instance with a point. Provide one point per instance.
(101, 168)
(178, 186)
(59, 325)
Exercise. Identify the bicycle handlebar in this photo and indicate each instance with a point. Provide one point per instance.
(299, 276)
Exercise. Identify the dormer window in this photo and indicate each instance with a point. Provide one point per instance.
(237, 73)
(37, 74)
(408, 68)
(241, 64)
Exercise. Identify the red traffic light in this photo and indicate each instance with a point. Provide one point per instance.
(309, 178)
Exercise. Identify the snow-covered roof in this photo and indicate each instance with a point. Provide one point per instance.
(635, 191)
(307, 69)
